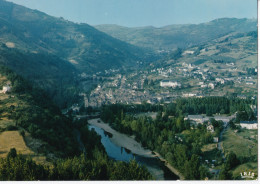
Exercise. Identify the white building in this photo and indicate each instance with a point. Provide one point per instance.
(210, 128)
(189, 95)
(188, 52)
(211, 85)
(215, 139)
(250, 83)
(196, 118)
(249, 124)
(221, 81)
(6, 89)
(167, 83)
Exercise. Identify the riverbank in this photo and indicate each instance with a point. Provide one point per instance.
(122, 140)
(130, 143)
(169, 166)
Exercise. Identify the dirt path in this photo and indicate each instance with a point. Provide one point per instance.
(220, 143)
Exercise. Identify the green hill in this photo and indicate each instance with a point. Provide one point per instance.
(182, 36)
(88, 49)
(228, 62)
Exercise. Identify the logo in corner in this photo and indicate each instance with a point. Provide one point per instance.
(247, 175)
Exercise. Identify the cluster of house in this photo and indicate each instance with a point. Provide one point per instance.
(104, 95)
(208, 79)
(200, 119)
(165, 72)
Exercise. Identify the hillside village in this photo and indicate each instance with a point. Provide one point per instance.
(156, 85)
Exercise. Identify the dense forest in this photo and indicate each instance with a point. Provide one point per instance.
(36, 114)
(17, 168)
(174, 138)
(49, 72)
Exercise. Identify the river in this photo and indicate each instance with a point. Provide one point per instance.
(120, 153)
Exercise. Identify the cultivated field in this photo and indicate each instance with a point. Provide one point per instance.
(13, 139)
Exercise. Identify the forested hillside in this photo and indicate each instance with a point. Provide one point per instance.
(29, 111)
(84, 46)
(56, 76)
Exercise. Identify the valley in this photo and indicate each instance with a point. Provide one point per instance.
(107, 102)
(195, 72)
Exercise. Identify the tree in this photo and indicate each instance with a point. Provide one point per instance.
(203, 172)
(232, 161)
(225, 173)
(12, 153)
(176, 54)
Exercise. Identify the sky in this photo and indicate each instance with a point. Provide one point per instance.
(136, 13)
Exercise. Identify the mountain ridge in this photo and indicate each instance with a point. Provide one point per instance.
(178, 35)
(91, 49)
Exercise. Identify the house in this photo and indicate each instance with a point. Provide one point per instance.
(210, 128)
(221, 81)
(189, 94)
(241, 96)
(211, 85)
(250, 83)
(215, 139)
(196, 118)
(6, 89)
(249, 124)
(188, 52)
(168, 83)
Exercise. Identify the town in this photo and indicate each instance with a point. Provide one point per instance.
(168, 83)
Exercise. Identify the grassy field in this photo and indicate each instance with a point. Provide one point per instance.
(240, 143)
(13, 139)
(247, 167)
(209, 147)
(4, 123)
(243, 144)
(212, 154)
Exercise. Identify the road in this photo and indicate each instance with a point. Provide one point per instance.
(220, 142)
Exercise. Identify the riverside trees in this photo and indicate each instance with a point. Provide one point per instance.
(169, 134)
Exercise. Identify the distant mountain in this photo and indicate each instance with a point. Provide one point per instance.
(88, 49)
(51, 52)
(182, 36)
(240, 49)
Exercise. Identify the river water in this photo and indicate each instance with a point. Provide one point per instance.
(154, 165)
